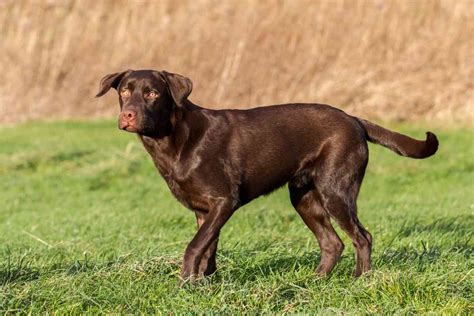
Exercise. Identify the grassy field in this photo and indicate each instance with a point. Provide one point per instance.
(87, 224)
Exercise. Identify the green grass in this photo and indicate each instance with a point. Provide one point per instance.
(87, 224)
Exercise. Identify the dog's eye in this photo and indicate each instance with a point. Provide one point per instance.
(152, 95)
(125, 93)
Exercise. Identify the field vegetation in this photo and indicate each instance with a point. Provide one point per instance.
(87, 224)
(389, 60)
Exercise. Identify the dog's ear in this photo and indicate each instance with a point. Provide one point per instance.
(110, 81)
(179, 86)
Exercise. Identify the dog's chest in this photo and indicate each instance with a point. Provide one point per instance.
(187, 193)
(177, 190)
(194, 181)
(179, 176)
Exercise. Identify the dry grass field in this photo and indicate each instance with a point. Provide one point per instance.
(385, 60)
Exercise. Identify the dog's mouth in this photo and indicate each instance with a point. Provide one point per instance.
(132, 126)
(130, 129)
(126, 126)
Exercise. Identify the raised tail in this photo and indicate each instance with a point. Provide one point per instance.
(401, 144)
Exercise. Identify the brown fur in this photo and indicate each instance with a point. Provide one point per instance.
(215, 161)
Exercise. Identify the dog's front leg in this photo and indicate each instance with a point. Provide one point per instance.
(208, 261)
(206, 235)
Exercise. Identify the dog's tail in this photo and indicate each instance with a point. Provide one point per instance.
(401, 144)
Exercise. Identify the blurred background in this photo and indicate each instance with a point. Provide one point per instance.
(384, 60)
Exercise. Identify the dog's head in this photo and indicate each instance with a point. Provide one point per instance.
(148, 99)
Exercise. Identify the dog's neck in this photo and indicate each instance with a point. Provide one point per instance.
(188, 122)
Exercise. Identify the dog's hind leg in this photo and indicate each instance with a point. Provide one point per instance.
(318, 221)
(345, 215)
(338, 182)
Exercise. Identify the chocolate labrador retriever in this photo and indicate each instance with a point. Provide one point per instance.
(215, 161)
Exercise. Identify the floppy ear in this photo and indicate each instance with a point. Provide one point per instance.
(110, 81)
(179, 86)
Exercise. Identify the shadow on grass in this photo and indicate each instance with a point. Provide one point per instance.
(21, 271)
(18, 275)
(240, 268)
(457, 240)
(459, 226)
(245, 265)
(33, 163)
(424, 253)
(420, 256)
(275, 265)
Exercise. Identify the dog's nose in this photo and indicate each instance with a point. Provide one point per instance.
(127, 118)
(129, 115)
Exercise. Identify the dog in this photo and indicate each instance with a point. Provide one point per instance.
(215, 161)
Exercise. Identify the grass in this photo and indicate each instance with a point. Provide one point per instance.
(392, 59)
(87, 224)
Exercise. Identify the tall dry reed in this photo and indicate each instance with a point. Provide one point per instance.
(385, 60)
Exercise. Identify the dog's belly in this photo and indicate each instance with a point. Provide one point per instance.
(263, 177)
(275, 165)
